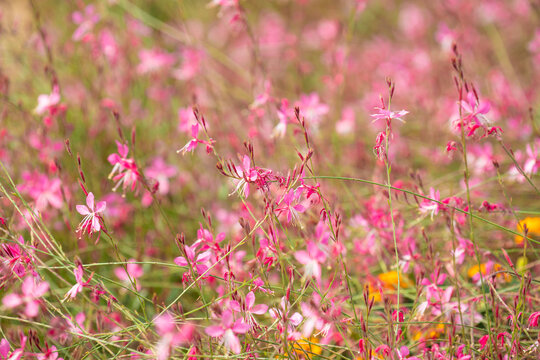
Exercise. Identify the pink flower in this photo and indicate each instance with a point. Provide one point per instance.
(50, 354)
(282, 113)
(31, 292)
(312, 109)
(384, 114)
(43, 190)
(192, 144)
(186, 119)
(249, 175)
(292, 321)
(171, 335)
(483, 341)
(290, 206)
(199, 262)
(134, 271)
(262, 99)
(534, 319)
(380, 146)
(191, 64)
(46, 102)
(429, 206)
(4, 349)
(249, 308)
(162, 172)
(91, 222)
(153, 60)
(311, 259)
(227, 331)
(15, 259)
(108, 46)
(78, 287)
(475, 110)
(16, 354)
(128, 172)
(86, 22)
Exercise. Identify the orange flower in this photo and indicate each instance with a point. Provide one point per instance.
(533, 227)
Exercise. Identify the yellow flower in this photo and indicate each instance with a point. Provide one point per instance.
(473, 271)
(390, 280)
(533, 227)
(431, 333)
(307, 347)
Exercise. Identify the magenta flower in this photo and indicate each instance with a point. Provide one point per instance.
(17, 354)
(31, 292)
(50, 354)
(198, 262)
(534, 319)
(380, 146)
(227, 331)
(290, 206)
(476, 110)
(125, 172)
(80, 284)
(15, 258)
(91, 222)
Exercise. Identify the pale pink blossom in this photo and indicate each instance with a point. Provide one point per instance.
(312, 109)
(154, 60)
(429, 206)
(192, 144)
(312, 258)
(80, 284)
(161, 172)
(47, 101)
(32, 290)
(292, 321)
(385, 114)
(86, 21)
(249, 308)
(171, 334)
(134, 271)
(227, 331)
